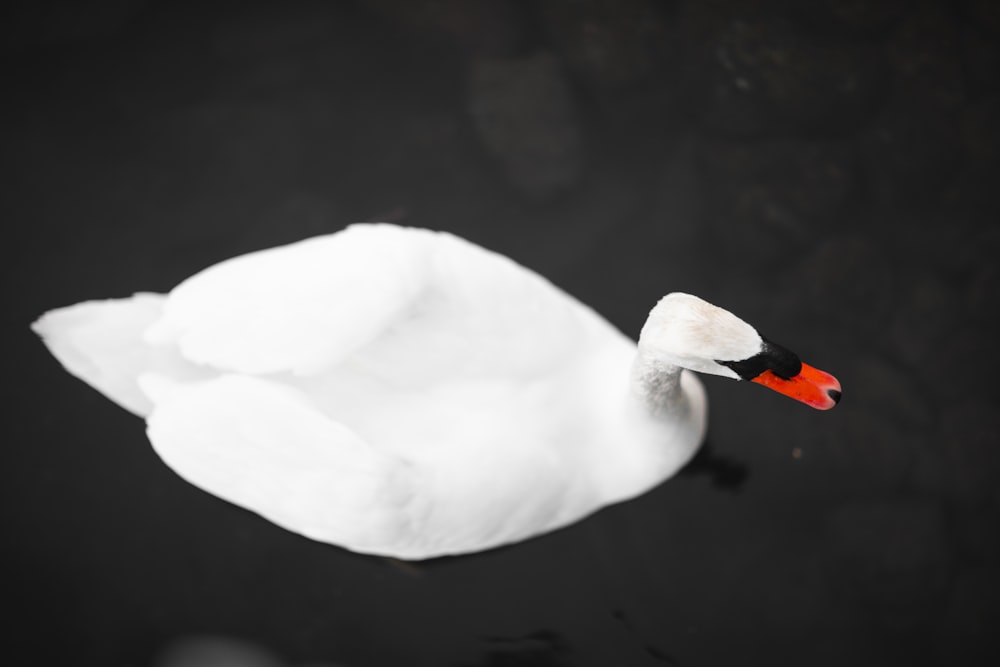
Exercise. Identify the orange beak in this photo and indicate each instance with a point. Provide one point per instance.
(811, 386)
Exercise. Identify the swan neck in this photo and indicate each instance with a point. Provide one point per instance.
(655, 384)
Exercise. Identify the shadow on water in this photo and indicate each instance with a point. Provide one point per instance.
(542, 648)
(722, 471)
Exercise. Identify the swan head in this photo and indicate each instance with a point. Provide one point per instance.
(683, 330)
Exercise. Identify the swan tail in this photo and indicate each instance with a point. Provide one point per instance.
(101, 342)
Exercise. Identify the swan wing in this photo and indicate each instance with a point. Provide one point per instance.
(265, 447)
(301, 307)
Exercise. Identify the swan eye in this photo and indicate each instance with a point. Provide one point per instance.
(772, 357)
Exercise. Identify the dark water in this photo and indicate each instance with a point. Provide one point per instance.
(829, 174)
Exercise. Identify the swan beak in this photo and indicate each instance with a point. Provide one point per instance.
(811, 386)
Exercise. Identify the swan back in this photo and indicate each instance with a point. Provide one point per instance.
(421, 300)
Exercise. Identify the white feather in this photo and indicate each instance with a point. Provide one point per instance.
(400, 391)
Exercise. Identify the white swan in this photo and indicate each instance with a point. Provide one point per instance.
(404, 392)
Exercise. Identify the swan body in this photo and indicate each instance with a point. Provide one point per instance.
(404, 392)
